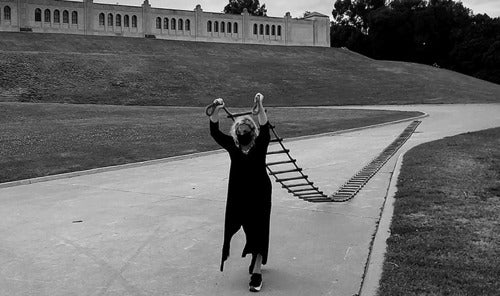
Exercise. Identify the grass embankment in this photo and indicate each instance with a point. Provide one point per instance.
(445, 233)
(44, 139)
(138, 71)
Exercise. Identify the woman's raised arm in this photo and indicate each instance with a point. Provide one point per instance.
(261, 115)
(218, 104)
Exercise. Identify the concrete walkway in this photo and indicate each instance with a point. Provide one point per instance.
(157, 229)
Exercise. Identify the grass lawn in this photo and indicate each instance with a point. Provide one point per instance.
(445, 233)
(45, 139)
(138, 71)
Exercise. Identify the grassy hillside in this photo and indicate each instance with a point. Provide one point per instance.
(136, 71)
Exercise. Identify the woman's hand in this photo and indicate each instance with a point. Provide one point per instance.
(259, 98)
(213, 109)
(218, 102)
(257, 104)
(258, 109)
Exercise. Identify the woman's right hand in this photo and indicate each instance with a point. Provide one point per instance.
(214, 108)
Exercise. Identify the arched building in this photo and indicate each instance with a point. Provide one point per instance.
(89, 18)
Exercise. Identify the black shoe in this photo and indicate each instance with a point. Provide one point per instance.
(255, 282)
(252, 264)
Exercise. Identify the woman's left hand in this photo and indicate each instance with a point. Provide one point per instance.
(259, 98)
(257, 103)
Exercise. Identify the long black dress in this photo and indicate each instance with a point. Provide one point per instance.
(249, 194)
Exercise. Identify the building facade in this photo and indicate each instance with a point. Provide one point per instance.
(89, 18)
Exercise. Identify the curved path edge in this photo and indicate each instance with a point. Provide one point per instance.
(186, 156)
(376, 257)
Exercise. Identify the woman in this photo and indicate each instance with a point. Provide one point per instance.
(249, 189)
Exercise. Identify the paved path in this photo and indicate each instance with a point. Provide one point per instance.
(157, 229)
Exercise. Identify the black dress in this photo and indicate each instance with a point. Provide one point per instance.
(249, 194)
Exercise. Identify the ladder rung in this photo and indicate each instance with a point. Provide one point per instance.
(358, 181)
(239, 114)
(292, 178)
(310, 193)
(281, 162)
(349, 188)
(276, 140)
(286, 171)
(342, 194)
(333, 199)
(298, 185)
(344, 190)
(302, 190)
(321, 199)
(279, 151)
(365, 175)
(309, 198)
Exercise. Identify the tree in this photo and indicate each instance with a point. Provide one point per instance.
(253, 7)
(355, 12)
(433, 32)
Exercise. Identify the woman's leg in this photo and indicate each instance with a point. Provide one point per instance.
(258, 264)
(256, 278)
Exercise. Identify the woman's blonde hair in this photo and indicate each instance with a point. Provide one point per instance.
(244, 120)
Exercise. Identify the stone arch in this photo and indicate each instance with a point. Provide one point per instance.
(235, 28)
(261, 29)
(229, 27)
(267, 30)
(279, 30)
(222, 27)
(158, 22)
(6, 13)
(209, 26)
(180, 25)
(273, 30)
(165, 23)
(110, 20)
(74, 18)
(126, 21)
(134, 21)
(188, 25)
(57, 16)
(255, 29)
(38, 15)
(46, 16)
(102, 19)
(118, 20)
(65, 17)
(173, 24)
(216, 26)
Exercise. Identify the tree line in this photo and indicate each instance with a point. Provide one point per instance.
(442, 33)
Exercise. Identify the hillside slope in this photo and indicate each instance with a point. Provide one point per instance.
(114, 70)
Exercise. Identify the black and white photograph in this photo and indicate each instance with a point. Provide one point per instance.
(242, 147)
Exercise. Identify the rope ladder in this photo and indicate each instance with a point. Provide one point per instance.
(285, 170)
